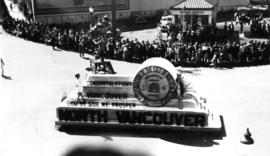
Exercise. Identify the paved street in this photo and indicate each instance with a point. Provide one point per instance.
(40, 76)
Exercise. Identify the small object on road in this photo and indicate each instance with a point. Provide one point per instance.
(2, 67)
(247, 138)
(107, 138)
(3, 71)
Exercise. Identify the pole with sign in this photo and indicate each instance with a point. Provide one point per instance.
(184, 22)
(114, 21)
(91, 10)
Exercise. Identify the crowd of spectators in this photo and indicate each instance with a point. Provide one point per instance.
(61, 37)
(202, 54)
(3, 11)
(195, 33)
(180, 51)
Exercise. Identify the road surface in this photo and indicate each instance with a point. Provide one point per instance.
(40, 76)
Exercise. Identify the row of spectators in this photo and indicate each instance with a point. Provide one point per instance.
(179, 51)
(66, 38)
(196, 33)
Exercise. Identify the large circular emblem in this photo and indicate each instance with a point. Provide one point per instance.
(154, 86)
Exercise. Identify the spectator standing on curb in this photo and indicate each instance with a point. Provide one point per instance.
(225, 29)
(82, 45)
(54, 38)
(236, 17)
(241, 53)
(231, 28)
(241, 27)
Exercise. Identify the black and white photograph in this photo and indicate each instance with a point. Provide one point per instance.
(134, 77)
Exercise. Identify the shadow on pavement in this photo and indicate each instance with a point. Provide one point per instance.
(6, 77)
(192, 71)
(86, 58)
(192, 140)
(57, 49)
(197, 139)
(84, 150)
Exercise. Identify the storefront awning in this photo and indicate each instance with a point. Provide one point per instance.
(194, 5)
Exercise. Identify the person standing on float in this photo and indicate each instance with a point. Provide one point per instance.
(101, 47)
(79, 88)
(183, 89)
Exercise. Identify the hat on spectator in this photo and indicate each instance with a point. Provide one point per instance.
(77, 75)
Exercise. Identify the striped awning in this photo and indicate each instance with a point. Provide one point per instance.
(193, 4)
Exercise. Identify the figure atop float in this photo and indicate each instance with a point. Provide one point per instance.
(154, 100)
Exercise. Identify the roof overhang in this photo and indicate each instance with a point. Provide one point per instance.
(194, 5)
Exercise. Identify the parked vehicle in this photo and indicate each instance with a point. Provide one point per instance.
(245, 14)
(140, 20)
(169, 19)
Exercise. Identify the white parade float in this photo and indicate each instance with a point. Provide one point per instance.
(154, 102)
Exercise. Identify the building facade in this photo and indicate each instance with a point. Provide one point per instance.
(231, 4)
(76, 11)
(191, 12)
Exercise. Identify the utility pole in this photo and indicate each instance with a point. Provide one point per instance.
(33, 10)
(91, 10)
(114, 21)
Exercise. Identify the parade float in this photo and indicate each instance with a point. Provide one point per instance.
(153, 102)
